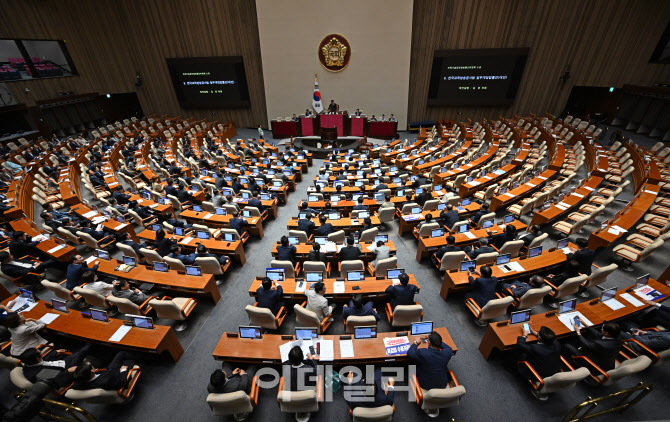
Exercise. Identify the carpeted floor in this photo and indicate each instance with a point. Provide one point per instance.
(178, 391)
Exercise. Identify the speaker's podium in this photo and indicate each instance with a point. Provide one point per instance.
(328, 133)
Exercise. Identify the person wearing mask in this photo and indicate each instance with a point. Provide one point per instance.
(601, 347)
(432, 362)
(350, 252)
(76, 270)
(24, 332)
(403, 293)
(358, 307)
(544, 356)
(269, 295)
(584, 256)
(306, 224)
(87, 377)
(483, 287)
(286, 252)
(317, 303)
(450, 216)
(324, 228)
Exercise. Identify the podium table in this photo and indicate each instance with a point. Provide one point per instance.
(282, 130)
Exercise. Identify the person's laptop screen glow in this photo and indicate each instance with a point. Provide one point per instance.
(102, 254)
(381, 238)
(313, 276)
(365, 332)
(503, 259)
(509, 218)
(642, 281)
(220, 211)
(395, 273)
(305, 333)
(563, 243)
(437, 233)
(465, 202)
(197, 208)
(462, 228)
(140, 321)
(519, 317)
(535, 252)
(203, 235)
(250, 332)
(160, 266)
(355, 276)
(99, 315)
(179, 231)
(59, 305)
(192, 270)
(129, 260)
(276, 274)
(487, 224)
(419, 328)
(567, 306)
(293, 240)
(466, 265)
(608, 294)
(321, 240)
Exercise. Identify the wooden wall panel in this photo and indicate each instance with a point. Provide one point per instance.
(604, 42)
(110, 41)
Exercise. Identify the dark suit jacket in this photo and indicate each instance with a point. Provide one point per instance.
(423, 197)
(256, 203)
(500, 239)
(431, 365)
(323, 230)
(484, 249)
(238, 224)
(401, 295)
(234, 382)
(121, 197)
(20, 248)
(316, 256)
(306, 225)
(306, 373)
(528, 237)
(64, 378)
(447, 248)
(270, 299)
(164, 245)
(475, 218)
(585, 258)
(185, 259)
(112, 378)
(365, 399)
(544, 358)
(450, 218)
(602, 351)
(74, 273)
(484, 289)
(286, 253)
(349, 253)
(365, 310)
(171, 190)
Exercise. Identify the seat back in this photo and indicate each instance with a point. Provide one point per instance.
(627, 368)
(306, 318)
(18, 379)
(441, 398)
(8, 362)
(386, 214)
(314, 266)
(451, 260)
(352, 265)
(383, 265)
(563, 380)
(457, 225)
(359, 321)
(167, 309)
(289, 271)
(495, 308)
(59, 290)
(533, 297)
(489, 216)
(151, 255)
(298, 401)
(234, 232)
(570, 286)
(486, 258)
(408, 207)
(127, 251)
(236, 403)
(538, 240)
(338, 236)
(100, 396)
(368, 235)
(406, 315)
(175, 264)
(431, 205)
(209, 265)
(512, 247)
(125, 306)
(600, 275)
(262, 317)
(88, 240)
(91, 297)
(373, 414)
(301, 235)
(426, 229)
(649, 249)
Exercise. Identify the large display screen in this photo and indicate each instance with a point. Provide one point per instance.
(209, 82)
(476, 77)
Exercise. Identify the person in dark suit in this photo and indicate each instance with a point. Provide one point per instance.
(85, 227)
(75, 270)
(544, 356)
(237, 186)
(332, 107)
(482, 246)
(450, 216)
(124, 238)
(121, 198)
(237, 223)
(508, 235)
(484, 286)
(601, 347)
(403, 293)
(269, 295)
(175, 252)
(360, 206)
(228, 380)
(22, 245)
(184, 196)
(163, 243)
(316, 255)
(528, 237)
(449, 247)
(50, 222)
(299, 372)
(306, 224)
(484, 209)
(174, 169)
(420, 181)
(170, 188)
(202, 252)
(375, 395)
(113, 378)
(367, 225)
(570, 269)
(256, 202)
(423, 197)
(219, 181)
(432, 362)
(350, 252)
(324, 228)
(519, 288)
(304, 207)
(286, 252)
(358, 307)
(33, 363)
(583, 255)
(381, 186)
(28, 270)
(358, 112)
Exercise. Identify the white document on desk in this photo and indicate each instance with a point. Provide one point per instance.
(614, 304)
(90, 214)
(632, 300)
(331, 247)
(568, 319)
(469, 235)
(515, 266)
(327, 353)
(371, 247)
(300, 286)
(49, 317)
(153, 205)
(589, 188)
(20, 301)
(120, 333)
(57, 248)
(338, 287)
(120, 226)
(91, 259)
(613, 231)
(186, 240)
(579, 195)
(346, 348)
(98, 220)
(208, 216)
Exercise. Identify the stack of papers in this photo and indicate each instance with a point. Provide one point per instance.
(371, 247)
(474, 183)
(511, 195)
(48, 318)
(338, 287)
(300, 286)
(648, 292)
(568, 319)
(40, 238)
(153, 205)
(579, 195)
(589, 188)
(20, 301)
(346, 348)
(515, 266)
(631, 299)
(561, 207)
(331, 247)
(326, 350)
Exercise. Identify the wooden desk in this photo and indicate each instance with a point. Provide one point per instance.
(504, 338)
(234, 250)
(428, 245)
(109, 225)
(62, 255)
(572, 201)
(406, 223)
(159, 340)
(458, 281)
(369, 288)
(347, 224)
(171, 280)
(514, 195)
(303, 249)
(266, 350)
(255, 226)
(468, 189)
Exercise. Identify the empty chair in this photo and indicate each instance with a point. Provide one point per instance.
(301, 403)
(542, 387)
(431, 401)
(519, 209)
(306, 318)
(632, 255)
(128, 250)
(211, 265)
(239, 404)
(95, 299)
(512, 247)
(60, 291)
(369, 235)
(450, 260)
(178, 309)
(352, 265)
(597, 278)
(373, 414)
(538, 240)
(125, 306)
(289, 271)
(301, 235)
(359, 321)
(532, 297)
(382, 267)
(568, 287)
(151, 255)
(337, 237)
(104, 243)
(570, 229)
(486, 258)
(263, 317)
(431, 205)
(404, 315)
(386, 214)
(314, 266)
(493, 308)
(626, 368)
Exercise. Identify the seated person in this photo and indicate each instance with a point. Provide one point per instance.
(534, 231)
(427, 220)
(601, 347)
(24, 332)
(403, 293)
(432, 362)
(299, 373)
(22, 245)
(29, 271)
(569, 270)
(175, 252)
(360, 206)
(657, 314)
(163, 243)
(508, 235)
(86, 227)
(89, 280)
(304, 207)
(202, 252)
(269, 295)
(544, 356)
(237, 223)
(483, 210)
(317, 303)
(228, 380)
(519, 288)
(350, 252)
(450, 216)
(316, 255)
(381, 251)
(33, 363)
(185, 196)
(286, 252)
(449, 247)
(482, 246)
(376, 395)
(86, 377)
(358, 307)
(306, 224)
(122, 289)
(121, 198)
(584, 256)
(367, 225)
(76, 270)
(124, 238)
(657, 341)
(483, 287)
(256, 202)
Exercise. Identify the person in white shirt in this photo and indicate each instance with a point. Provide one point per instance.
(392, 119)
(24, 332)
(381, 251)
(317, 303)
(90, 281)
